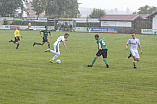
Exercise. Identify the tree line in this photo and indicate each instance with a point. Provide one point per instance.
(146, 10)
(97, 13)
(8, 8)
(55, 8)
(52, 8)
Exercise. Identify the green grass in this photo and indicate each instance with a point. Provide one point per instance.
(27, 77)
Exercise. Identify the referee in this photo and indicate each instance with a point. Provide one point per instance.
(17, 37)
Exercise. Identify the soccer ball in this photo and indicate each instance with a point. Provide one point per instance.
(58, 61)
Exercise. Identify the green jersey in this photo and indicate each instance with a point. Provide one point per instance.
(45, 33)
(102, 42)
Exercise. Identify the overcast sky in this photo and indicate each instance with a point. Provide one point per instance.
(119, 4)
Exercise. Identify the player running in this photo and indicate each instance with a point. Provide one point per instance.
(45, 35)
(17, 37)
(134, 44)
(102, 50)
(56, 50)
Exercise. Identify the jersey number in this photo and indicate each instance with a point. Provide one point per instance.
(103, 43)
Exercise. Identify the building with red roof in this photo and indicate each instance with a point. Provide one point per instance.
(126, 23)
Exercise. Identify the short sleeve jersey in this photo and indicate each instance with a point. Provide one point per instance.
(29, 24)
(133, 43)
(102, 42)
(59, 40)
(17, 33)
(45, 33)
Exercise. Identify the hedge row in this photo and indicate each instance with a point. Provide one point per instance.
(52, 24)
(33, 23)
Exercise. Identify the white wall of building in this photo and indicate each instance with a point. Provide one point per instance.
(116, 23)
(154, 24)
(85, 20)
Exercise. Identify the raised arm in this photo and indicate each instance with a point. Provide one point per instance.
(64, 45)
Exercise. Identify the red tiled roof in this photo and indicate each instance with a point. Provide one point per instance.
(144, 16)
(130, 17)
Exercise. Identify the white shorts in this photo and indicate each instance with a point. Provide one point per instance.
(135, 53)
(56, 48)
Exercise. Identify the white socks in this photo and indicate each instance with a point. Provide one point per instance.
(134, 62)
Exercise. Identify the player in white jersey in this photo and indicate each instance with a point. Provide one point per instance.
(134, 44)
(56, 50)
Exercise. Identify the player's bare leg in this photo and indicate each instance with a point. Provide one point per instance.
(138, 59)
(42, 43)
(134, 61)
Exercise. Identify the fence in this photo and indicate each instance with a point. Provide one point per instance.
(79, 24)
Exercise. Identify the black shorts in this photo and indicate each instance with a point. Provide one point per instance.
(17, 39)
(102, 52)
(45, 39)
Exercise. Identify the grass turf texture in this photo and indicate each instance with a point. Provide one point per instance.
(27, 77)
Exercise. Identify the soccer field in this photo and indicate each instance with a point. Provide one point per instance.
(27, 76)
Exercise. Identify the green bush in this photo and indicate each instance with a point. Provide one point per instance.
(33, 23)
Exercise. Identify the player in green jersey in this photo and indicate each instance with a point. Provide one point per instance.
(102, 50)
(45, 35)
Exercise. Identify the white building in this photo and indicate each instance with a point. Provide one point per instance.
(153, 17)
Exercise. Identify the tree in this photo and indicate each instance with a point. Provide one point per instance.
(134, 12)
(146, 10)
(9, 7)
(23, 7)
(62, 8)
(97, 13)
(52, 8)
(39, 6)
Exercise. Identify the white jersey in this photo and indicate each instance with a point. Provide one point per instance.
(133, 43)
(59, 40)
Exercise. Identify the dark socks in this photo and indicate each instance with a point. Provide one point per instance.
(17, 46)
(38, 43)
(11, 41)
(129, 56)
(48, 45)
